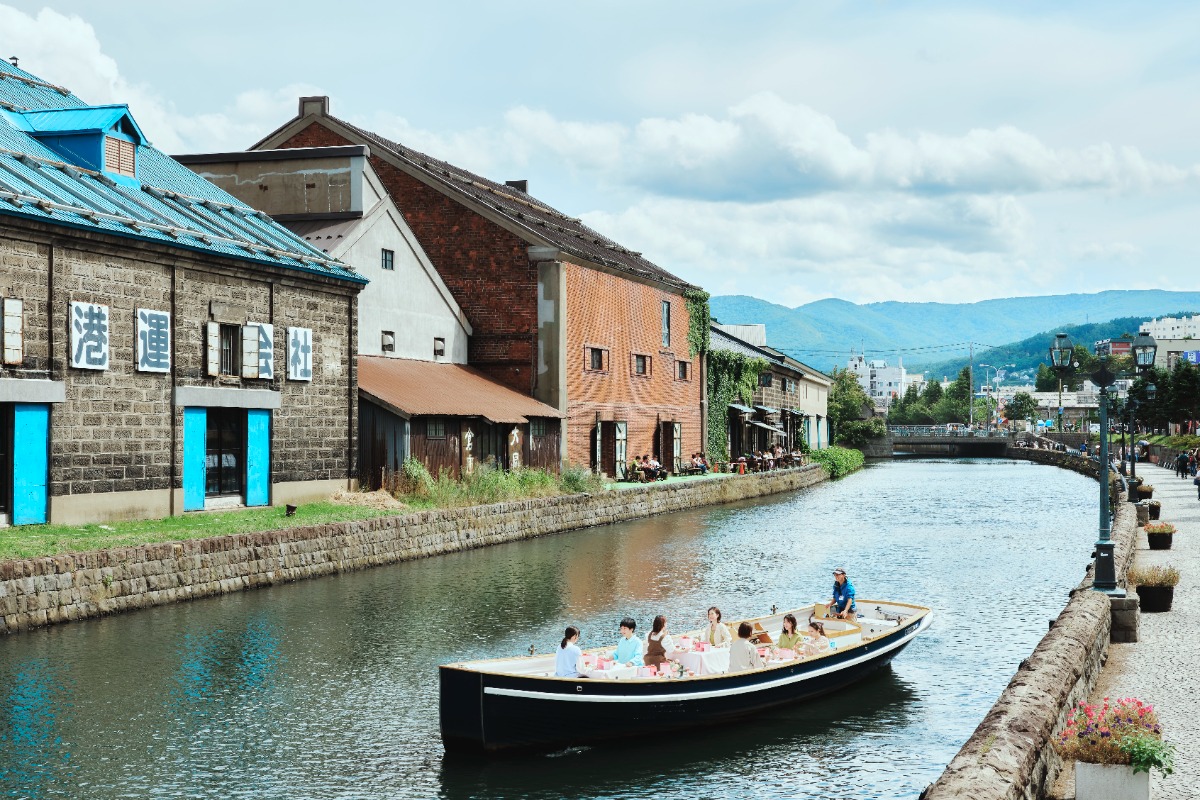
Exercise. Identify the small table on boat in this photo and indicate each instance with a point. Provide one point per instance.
(713, 661)
(612, 674)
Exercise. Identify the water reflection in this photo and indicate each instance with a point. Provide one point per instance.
(328, 688)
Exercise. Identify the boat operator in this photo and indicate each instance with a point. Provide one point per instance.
(842, 606)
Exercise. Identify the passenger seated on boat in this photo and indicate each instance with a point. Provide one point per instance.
(658, 643)
(717, 635)
(566, 663)
(743, 655)
(842, 606)
(816, 642)
(629, 649)
(790, 639)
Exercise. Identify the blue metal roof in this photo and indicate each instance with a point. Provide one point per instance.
(90, 119)
(168, 203)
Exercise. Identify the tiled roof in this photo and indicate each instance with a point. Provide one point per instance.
(423, 388)
(569, 234)
(720, 340)
(168, 203)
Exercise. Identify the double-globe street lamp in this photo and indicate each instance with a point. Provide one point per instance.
(1144, 351)
(1104, 576)
(988, 384)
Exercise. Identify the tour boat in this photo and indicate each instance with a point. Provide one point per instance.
(518, 703)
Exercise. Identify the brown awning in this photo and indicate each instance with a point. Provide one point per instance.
(425, 388)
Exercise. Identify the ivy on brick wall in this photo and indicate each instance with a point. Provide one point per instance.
(698, 321)
(732, 377)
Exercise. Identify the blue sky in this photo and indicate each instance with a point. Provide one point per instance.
(792, 151)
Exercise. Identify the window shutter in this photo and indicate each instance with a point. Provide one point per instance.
(13, 336)
(249, 351)
(119, 156)
(212, 348)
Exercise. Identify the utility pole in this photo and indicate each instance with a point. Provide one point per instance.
(971, 390)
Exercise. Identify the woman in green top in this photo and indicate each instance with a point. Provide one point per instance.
(790, 638)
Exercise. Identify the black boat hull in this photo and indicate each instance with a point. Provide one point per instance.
(490, 712)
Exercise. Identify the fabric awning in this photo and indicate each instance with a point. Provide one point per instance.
(741, 409)
(770, 428)
(426, 388)
(767, 409)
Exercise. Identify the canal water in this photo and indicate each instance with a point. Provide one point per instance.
(328, 688)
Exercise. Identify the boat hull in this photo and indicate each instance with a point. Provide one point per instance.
(491, 712)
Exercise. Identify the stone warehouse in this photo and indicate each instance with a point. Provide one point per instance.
(557, 311)
(165, 347)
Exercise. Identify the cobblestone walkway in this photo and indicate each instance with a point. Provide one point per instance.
(1163, 667)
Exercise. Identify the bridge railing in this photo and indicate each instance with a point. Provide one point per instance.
(941, 431)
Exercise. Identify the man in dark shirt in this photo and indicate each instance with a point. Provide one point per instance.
(843, 606)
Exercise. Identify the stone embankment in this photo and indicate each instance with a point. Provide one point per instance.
(1010, 755)
(50, 590)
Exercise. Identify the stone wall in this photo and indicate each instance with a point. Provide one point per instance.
(1010, 755)
(45, 591)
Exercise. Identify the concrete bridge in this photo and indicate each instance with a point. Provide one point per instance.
(938, 440)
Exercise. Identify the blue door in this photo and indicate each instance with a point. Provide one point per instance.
(258, 457)
(195, 423)
(31, 462)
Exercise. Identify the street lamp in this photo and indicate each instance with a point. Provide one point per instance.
(988, 383)
(1144, 350)
(1061, 352)
(1131, 406)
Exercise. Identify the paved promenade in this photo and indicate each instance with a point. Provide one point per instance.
(1163, 668)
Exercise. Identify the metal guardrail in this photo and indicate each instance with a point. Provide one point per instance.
(942, 432)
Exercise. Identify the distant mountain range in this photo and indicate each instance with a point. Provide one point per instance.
(825, 333)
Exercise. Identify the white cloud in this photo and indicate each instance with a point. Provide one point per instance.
(66, 51)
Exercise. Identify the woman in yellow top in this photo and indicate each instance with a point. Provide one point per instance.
(716, 634)
(790, 639)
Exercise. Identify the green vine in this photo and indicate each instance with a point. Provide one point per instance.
(732, 377)
(698, 321)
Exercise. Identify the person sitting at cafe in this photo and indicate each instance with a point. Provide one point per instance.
(790, 639)
(842, 605)
(743, 655)
(716, 634)
(629, 647)
(566, 662)
(647, 469)
(816, 642)
(658, 472)
(658, 643)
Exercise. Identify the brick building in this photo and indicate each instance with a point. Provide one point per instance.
(558, 311)
(417, 397)
(166, 348)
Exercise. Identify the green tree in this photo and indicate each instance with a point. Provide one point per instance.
(1046, 380)
(847, 401)
(1184, 394)
(1021, 406)
(933, 393)
(901, 412)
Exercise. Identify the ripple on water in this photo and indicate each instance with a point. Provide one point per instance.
(327, 688)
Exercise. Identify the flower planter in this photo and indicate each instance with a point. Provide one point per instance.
(1110, 782)
(1155, 509)
(1159, 541)
(1143, 494)
(1155, 599)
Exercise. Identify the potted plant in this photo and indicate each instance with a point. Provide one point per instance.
(1159, 534)
(1155, 509)
(1145, 491)
(1114, 746)
(1155, 586)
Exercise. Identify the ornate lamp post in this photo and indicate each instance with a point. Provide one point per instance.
(1104, 578)
(1061, 351)
(1144, 350)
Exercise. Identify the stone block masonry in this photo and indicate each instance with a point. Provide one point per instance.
(50, 590)
(1010, 755)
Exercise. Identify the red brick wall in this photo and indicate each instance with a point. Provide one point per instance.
(486, 267)
(625, 317)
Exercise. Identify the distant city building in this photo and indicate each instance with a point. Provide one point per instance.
(881, 382)
(1120, 346)
(1170, 351)
(1173, 327)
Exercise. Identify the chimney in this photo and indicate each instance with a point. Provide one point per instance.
(521, 186)
(314, 106)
